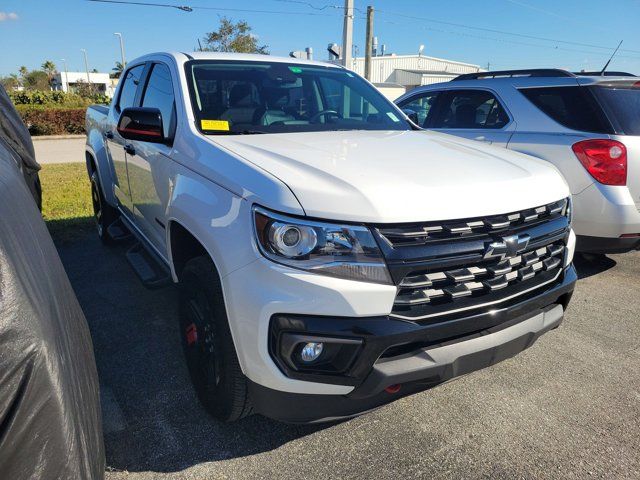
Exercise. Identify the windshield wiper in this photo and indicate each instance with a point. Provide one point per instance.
(247, 132)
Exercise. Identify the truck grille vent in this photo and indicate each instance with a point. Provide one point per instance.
(416, 234)
(528, 269)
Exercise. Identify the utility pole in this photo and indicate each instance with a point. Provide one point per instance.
(368, 49)
(86, 65)
(347, 34)
(66, 76)
(124, 62)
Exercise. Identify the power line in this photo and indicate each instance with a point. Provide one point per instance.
(184, 8)
(513, 42)
(502, 32)
(188, 8)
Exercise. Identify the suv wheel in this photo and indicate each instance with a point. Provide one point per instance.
(208, 346)
(103, 213)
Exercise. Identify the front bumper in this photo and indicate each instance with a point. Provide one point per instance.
(414, 356)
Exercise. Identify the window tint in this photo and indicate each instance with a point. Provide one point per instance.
(622, 103)
(422, 105)
(129, 87)
(159, 94)
(471, 109)
(572, 107)
(266, 97)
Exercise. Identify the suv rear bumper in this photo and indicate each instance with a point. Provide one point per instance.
(429, 354)
(587, 244)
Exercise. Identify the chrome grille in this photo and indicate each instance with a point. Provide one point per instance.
(478, 280)
(416, 234)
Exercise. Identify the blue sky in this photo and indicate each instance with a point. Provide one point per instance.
(32, 31)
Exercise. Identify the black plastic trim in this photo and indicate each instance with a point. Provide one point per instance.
(384, 333)
(604, 245)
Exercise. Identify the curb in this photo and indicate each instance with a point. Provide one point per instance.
(56, 137)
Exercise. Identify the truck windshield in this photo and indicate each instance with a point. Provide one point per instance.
(268, 97)
(622, 104)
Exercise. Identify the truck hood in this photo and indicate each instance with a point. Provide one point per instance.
(394, 177)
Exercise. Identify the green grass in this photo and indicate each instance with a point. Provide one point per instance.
(66, 201)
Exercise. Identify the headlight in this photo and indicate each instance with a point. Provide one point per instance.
(345, 251)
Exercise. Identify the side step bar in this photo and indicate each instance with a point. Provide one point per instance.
(150, 269)
(118, 231)
(151, 272)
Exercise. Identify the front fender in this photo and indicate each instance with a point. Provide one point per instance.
(219, 219)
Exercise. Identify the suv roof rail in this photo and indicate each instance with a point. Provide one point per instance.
(534, 72)
(605, 74)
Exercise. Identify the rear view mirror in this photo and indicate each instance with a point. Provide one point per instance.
(412, 115)
(143, 124)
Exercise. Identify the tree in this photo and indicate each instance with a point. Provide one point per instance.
(10, 83)
(233, 37)
(36, 80)
(49, 68)
(117, 70)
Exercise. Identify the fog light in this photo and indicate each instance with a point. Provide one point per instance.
(311, 351)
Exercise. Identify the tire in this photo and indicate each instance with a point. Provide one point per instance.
(206, 339)
(103, 213)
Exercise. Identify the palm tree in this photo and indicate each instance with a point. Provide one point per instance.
(117, 70)
(50, 69)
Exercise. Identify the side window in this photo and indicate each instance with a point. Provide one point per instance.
(422, 105)
(129, 87)
(572, 107)
(471, 109)
(159, 94)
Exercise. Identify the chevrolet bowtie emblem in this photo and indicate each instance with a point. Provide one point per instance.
(508, 247)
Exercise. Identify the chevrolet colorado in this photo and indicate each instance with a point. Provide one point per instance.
(330, 257)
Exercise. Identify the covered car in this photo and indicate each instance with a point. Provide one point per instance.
(15, 142)
(50, 420)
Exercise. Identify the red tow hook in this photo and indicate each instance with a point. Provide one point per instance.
(395, 388)
(192, 334)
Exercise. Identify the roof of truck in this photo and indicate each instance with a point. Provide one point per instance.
(242, 57)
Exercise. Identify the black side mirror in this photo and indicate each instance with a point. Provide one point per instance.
(412, 115)
(144, 124)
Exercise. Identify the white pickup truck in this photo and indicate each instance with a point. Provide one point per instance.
(330, 257)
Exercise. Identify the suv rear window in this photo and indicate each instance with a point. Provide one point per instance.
(572, 107)
(622, 104)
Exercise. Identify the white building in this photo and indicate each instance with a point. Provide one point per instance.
(69, 82)
(396, 74)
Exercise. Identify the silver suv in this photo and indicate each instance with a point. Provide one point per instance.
(587, 125)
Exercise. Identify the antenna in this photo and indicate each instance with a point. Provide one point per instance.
(612, 55)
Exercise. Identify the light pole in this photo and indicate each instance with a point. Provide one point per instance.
(86, 65)
(124, 62)
(66, 76)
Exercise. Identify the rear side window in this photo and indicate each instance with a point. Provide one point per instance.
(470, 109)
(129, 87)
(159, 94)
(622, 104)
(572, 107)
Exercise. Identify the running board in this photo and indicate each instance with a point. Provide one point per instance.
(118, 231)
(151, 272)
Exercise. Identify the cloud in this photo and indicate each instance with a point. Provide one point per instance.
(8, 16)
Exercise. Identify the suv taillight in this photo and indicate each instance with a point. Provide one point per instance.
(605, 160)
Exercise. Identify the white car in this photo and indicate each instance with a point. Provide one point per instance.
(586, 124)
(330, 257)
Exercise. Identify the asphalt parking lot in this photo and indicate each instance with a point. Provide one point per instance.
(569, 407)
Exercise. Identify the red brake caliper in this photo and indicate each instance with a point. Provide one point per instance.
(192, 334)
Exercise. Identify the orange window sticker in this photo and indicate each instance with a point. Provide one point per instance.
(214, 125)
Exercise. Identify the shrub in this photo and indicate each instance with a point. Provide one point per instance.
(52, 121)
(56, 98)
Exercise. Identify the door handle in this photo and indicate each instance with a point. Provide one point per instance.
(481, 138)
(109, 135)
(129, 149)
